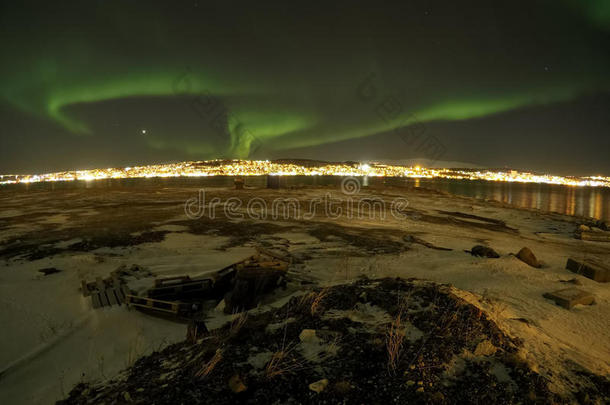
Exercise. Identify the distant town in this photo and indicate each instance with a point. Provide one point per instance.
(287, 167)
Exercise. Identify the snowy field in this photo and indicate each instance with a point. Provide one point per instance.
(52, 338)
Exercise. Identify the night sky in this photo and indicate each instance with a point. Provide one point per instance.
(521, 84)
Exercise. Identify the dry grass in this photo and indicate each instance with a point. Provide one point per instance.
(395, 335)
(317, 300)
(237, 323)
(313, 300)
(209, 366)
(283, 361)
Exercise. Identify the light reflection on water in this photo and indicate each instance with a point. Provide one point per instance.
(582, 201)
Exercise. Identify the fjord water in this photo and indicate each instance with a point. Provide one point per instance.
(591, 202)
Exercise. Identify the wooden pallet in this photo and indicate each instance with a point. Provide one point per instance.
(163, 282)
(152, 304)
(186, 288)
(110, 296)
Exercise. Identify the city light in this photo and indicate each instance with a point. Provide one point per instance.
(265, 167)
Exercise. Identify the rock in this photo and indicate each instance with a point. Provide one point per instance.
(590, 269)
(308, 335)
(568, 297)
(600, 236)
(527, 256)
(574, 281)
(484, 251)
(49, 270)
(236, 384)
(319, 386)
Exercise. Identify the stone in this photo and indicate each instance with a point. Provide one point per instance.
(528, 257)
(590, 269)
(319, 386)
(308, 335)
(574, 281)
(49, 270)
(484, 251)
(592, 236)
(568, 297)
(236, 384)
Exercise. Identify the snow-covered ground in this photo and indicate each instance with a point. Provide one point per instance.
(52, 338)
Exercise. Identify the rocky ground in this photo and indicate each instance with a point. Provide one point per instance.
(372, 341)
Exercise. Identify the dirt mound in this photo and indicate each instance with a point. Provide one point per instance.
(373, 341)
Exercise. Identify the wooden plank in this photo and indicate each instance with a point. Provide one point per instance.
(95, 299)
(119, 295)
(104, 299)
(153, 304)
(177, 289)
(111, 297)
(172, 280)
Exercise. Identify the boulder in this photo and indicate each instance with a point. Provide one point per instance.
(308, 335)
(527, 256)
(319, 385)
(484, 251)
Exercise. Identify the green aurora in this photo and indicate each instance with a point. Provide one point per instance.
(283, 85)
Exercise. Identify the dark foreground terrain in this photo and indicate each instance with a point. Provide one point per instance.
(372, 341)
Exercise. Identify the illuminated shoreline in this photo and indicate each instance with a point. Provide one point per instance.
(264, 167)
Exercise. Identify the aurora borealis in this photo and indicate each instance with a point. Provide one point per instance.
(522, 84)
